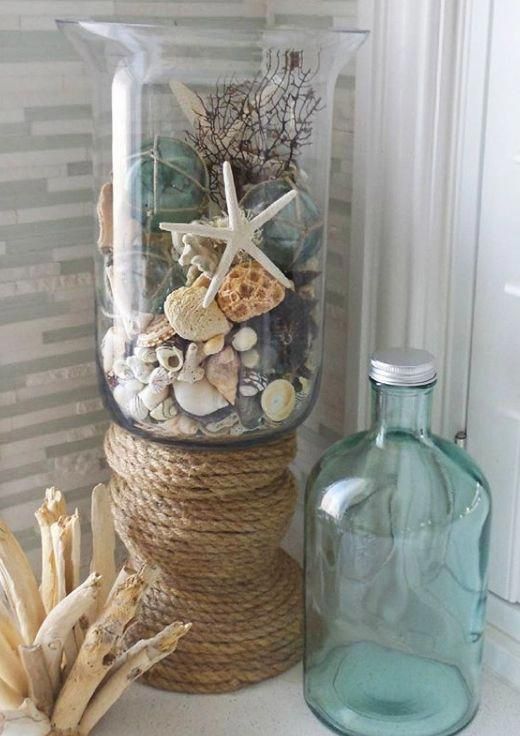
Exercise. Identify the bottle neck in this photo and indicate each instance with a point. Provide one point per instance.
(402, 408)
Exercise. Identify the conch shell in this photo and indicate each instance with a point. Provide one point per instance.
(199, 399)
(222, 372)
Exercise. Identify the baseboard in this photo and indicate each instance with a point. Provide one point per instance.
(502, 647)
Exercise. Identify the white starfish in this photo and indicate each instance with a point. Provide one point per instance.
(239, 235)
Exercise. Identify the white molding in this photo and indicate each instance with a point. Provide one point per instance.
(502, 643)
(420, 95)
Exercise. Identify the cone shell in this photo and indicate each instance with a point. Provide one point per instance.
(248, 291)
(278, 400)
(222, 372)
(190, 319)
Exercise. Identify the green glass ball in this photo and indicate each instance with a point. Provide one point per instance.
(167, 181)
(295, 233)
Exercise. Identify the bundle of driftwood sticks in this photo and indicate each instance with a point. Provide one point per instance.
(62, 657)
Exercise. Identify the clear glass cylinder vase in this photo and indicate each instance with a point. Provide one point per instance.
(396, 554)
(211, 168)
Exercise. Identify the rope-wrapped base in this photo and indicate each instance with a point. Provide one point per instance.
(212, 521)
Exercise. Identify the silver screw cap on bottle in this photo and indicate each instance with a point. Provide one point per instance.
(402, 367)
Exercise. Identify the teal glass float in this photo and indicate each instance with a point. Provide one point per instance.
(167, 180)
(396, 556)
(294, 234)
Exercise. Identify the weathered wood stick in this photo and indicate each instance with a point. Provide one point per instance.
(103, 541)
(40, 688)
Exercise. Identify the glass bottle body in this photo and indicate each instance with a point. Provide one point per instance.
(397, 529)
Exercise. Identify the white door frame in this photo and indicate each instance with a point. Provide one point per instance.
(421, 93)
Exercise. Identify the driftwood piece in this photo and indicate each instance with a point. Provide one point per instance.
(131, 665)
(96, 655)
(39, 682)
(25, 721)
(49, 513)
(103, 542)
(11, 670)
(18, 581)
(59, 624)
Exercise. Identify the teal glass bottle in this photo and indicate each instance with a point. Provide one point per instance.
(396, 553)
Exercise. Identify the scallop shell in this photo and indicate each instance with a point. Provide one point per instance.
(159, 330)
(199, 399)
(140, 370)
(244, 339)
(165, 410)
(278, 399)
(222, 372)
(170, 357)
(190, 319)
(159, 379)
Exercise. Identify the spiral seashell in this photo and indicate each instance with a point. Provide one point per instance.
(136, 408)
(278, 399)
(199, 399)
(159, 379)
(145, 355)
(252, 383)
(140, 370)
(170, 357)
(165, 410)
(152, 398)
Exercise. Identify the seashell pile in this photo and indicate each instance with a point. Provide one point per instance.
(213, 334)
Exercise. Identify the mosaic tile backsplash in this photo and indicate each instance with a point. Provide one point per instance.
(51, 416)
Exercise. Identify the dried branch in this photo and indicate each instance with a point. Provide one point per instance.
(39, 682)
(103, 541)
(260, 125)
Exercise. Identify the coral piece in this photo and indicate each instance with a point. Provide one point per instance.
(199, 254)
(159, 330)
(244, 339)
(73, 665)
(222, 372)
(240, 235)
(248, 291)
(199, 399)
(278, 400)
(167, 179)
(293, 235)
(190, 319)
(259, 125)
(191, 371)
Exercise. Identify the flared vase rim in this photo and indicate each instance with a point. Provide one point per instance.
(320, 34)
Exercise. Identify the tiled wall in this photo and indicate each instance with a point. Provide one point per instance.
(51, 418)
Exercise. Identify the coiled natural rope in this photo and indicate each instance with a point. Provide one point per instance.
(212, 520)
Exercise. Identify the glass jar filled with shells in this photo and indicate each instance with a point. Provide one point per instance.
(211, 170)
